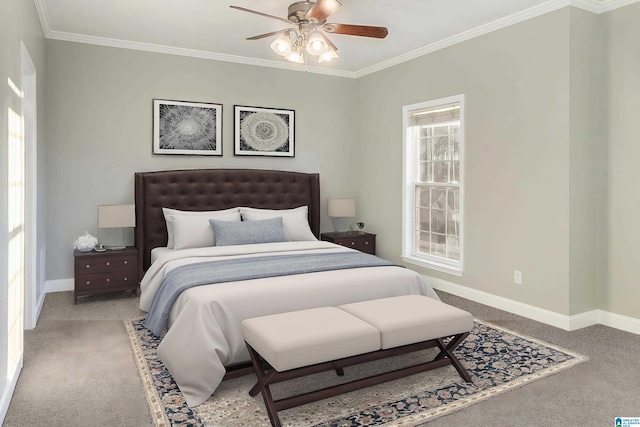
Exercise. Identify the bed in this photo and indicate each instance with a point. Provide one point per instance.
(203, 339)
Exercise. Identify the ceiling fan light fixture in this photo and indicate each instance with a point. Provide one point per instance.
(296, 55)
(328, 55)
(316, 44)
(309, 18)
(282, 45)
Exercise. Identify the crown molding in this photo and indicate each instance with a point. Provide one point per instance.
(601, 6)
(609, 5)
(193, 53)
(498, 24)
(594, 6)
(43, 15)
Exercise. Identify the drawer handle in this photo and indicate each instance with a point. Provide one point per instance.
(125, 279)
(126, 262)
(108, 280)
(353, 243)
(366, 243)
(88, 282)
(88, 266)
(108, 263)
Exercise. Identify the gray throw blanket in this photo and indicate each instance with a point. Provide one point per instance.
(231, 270)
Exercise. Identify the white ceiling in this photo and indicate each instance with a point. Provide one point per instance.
(210, 29)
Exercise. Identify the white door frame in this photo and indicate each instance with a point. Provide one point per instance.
(30, 123)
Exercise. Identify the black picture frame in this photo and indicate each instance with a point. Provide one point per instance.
(188, 128)
(261, 131)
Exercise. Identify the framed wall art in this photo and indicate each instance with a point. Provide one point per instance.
(181, 127)
(264, 132)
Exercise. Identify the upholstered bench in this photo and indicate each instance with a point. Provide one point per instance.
(309, 341)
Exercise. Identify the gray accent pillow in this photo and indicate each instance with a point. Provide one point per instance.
(230, 233)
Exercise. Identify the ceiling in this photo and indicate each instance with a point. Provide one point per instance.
(210, 29)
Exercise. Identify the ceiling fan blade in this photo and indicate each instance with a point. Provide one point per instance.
(322, 9)
(356, 30)
(261, 14)
(272, 33)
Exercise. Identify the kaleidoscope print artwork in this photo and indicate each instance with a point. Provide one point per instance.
(187, 128)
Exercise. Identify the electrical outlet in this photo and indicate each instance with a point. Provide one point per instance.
(517, 277)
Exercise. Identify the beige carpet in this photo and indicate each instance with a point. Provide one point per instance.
(591, 394)
(498, 361)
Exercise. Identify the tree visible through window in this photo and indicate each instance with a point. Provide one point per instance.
(433, 205)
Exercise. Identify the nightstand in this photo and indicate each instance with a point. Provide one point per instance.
(364, 242)
(103, 272)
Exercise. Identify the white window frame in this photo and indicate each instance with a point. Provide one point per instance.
(410, 176)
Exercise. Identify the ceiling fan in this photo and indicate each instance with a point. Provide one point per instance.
(309, 20)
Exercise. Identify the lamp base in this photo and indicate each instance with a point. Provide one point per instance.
(120, 242)
(342, 225)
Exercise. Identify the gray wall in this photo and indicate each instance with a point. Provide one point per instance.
(517, 153)
(549, 153)
(100, 128)
(584, 163)
(18, 21)
(552, 107)
(619, 243)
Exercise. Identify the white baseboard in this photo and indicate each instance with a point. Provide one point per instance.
(7, 391)
(582, 320)
(619, 321)
(60, 285)
(40, 303)
(568, 323)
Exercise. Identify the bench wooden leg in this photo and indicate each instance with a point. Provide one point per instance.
(271, 376)
(447, 351)
(339, 370)
(262, 386)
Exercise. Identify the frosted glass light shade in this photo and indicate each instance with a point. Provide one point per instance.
(296, 55)
(282, 45)
(316, 45)
(328, 55)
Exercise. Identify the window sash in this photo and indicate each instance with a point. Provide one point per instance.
(433, 165)
(437, 221)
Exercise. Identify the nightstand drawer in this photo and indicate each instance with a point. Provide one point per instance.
(361, 241)
(112, 263)
(364, 245)
(106, 280)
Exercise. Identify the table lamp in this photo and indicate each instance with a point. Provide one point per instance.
(341, 212)
(117, 216)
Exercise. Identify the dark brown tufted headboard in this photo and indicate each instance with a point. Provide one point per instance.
(215, 189)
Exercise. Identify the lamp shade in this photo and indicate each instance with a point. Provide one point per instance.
(116, 216)
(341, 208)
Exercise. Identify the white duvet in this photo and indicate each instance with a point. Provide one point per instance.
(204, 324)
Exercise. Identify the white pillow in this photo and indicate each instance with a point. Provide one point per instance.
(196, 231)
(170, 213)
(296, 222)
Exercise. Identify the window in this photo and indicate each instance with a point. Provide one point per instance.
(432, 211)
(15, 245)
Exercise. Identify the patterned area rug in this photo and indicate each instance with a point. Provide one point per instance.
(497, 360)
